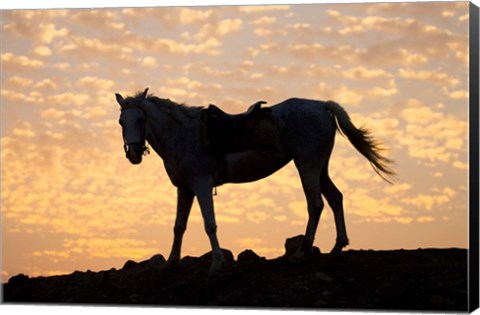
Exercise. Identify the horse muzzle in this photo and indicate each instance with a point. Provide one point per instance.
(134, 153)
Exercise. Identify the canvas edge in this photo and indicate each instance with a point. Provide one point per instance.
(474, 159)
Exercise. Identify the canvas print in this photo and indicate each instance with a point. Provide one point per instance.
(304, 156)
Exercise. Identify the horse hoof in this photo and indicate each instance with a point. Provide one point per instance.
(339, 245)
(336, 250)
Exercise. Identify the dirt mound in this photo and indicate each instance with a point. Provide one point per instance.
(423, 279)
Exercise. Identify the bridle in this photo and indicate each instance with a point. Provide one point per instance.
(145, 148)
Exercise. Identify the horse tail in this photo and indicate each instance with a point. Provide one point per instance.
(363, 141)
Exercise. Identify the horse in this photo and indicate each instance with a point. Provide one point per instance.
(304, 132)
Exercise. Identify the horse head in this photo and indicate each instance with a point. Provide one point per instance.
(134, 129)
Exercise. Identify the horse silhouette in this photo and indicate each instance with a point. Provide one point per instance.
(296, 129)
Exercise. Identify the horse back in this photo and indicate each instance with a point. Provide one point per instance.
(304, 125)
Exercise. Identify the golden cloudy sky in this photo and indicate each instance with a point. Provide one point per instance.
(71, 201)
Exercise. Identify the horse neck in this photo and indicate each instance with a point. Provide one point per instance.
(163, 127)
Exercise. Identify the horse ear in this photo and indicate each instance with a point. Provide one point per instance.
(144, 94)
(120, 99)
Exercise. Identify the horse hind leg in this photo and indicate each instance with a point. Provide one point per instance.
(335, 200)
(310, 177)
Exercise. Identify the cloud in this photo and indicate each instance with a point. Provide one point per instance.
(424, 219)
(377, 55)
(374, 82)
(52, 113)
(299, 208)
(436, 77)
(24, 129)
(61, 200)
(195, 16)
(343, 94)
(381, 92)
(263, 9)
(457, 94)
(180, 87)
(363, 73)
(68, 99)
(382, 126)
(208, 45)
(444, 40)
(100, 20)
(300, 27)
(36, 15)
(90, 112)
(92, 48)
(354, 24)
(249, 242)
(18, 82)
(269, 47)
(61, 66)
(404, 220)
(222, 218)
(30, 24)
(149, 62)
(45, 84)
(399, 26)
(256, 76)
(431, 135)
(460, 165)
(12, 62)
(95, 82)
(361, 203)
(429, 201)
(398, 189)
(43, 51)
(262, 32)
(48, 32)
(32, 97)
(219, 29)
(464, 18)
(54, 256)
(257, 217)
(264, 26)
(264, 21)
(110, 248)
(416, 10)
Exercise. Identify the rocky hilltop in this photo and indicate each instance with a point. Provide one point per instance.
(422, 279)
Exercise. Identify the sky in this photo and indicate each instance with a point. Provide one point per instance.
(71, 201)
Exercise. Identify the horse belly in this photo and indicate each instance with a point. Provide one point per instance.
(252, 165)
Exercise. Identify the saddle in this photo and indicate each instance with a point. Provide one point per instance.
(220, 114)
(226, 133)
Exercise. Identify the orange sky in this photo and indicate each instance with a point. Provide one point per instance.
(71, 201)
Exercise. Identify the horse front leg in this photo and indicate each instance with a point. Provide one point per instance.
(184, 205)
(205, 199)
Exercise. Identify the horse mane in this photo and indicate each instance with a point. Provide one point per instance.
(181, 112)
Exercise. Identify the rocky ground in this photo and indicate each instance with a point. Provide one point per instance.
(422, 279)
